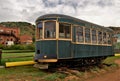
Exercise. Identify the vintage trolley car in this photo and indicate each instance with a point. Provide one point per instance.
(65, 39)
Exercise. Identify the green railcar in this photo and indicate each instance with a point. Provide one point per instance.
(60, 37)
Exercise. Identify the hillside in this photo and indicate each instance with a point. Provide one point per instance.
(25, 27)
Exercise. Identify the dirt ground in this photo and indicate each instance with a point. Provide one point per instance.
(113, 76)
(103, 75)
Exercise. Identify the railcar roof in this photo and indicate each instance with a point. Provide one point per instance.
(69, 17)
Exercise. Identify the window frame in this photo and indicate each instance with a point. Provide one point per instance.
(70, 38)
(106, 39)
(43, 22)
(96, 35)
(89, 35)
(38, 33)
(55, 30)
(110, 38)
(82, 32)
(100, 43)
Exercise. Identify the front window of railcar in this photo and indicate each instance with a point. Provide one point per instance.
(39, 30)
(50, 29)
(64, 30)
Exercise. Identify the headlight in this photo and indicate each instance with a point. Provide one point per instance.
(45, 56)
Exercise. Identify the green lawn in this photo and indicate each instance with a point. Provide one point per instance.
(16, 51)
(21, 72)
(16, 55)
(28, 73)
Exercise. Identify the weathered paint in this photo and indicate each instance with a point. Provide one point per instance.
(64, 49)
(46, 48)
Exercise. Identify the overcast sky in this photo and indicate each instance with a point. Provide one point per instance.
(102, 12)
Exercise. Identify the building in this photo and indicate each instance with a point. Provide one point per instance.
(9, 36)
(26, 39)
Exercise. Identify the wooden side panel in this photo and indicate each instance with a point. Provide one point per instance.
(46, 48)
(81, 50)
(64, 49)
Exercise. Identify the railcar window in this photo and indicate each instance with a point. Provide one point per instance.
(94, 37)
(99, 37)
(79, 34)
(104, 38)
(64, 30)
(87, 35)
(39, 30)
(50, 29)
(109, 38)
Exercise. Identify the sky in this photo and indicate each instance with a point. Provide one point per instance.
(101, 12)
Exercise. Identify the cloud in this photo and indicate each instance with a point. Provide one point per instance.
(102, 12)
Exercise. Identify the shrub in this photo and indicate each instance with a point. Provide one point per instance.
(30, 47)
(1, 46)
(19, 47)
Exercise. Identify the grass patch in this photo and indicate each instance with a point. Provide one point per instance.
(14, 55)
(16, 59)
(96, 69)
(5, 55)
(55, 76)
(29, 71)
(40, 73)
(15, 51)
(110, 60)
(22, 71)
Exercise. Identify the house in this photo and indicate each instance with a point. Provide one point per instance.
(9, 36)
(26, 39)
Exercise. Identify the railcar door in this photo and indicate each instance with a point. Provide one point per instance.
(64, 42)
(77, 42)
